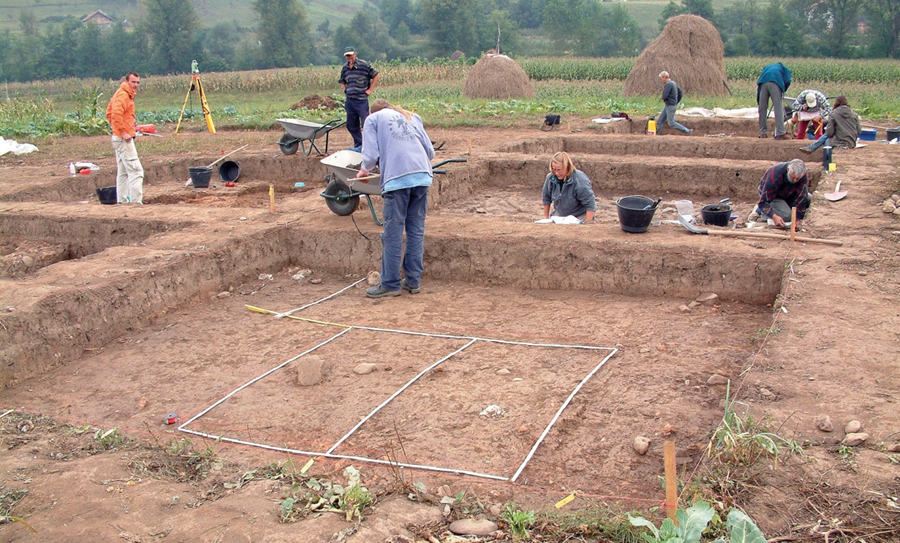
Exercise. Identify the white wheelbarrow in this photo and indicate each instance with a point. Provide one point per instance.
(344, 189)
(299, 132)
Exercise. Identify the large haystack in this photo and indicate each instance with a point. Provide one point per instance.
(498, 77)
(691, 50)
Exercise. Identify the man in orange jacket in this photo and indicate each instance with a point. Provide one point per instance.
(120, 114)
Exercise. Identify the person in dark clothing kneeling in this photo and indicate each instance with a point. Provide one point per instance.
(784, 186)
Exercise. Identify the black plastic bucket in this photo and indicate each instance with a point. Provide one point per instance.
(106, 195)
(893, 133)
(229, 171)
(632, 215)
(716, 214)
(200, 176)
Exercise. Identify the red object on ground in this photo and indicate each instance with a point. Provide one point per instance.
(86, 171)
(146, 128)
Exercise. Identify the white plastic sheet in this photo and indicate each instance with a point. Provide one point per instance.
(16, 148)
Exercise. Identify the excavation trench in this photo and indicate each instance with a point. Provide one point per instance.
(113, 270)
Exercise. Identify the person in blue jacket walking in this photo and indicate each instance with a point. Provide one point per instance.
(773, 82)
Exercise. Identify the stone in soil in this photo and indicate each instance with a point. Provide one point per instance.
(474, 527)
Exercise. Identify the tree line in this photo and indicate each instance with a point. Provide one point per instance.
(169, 35)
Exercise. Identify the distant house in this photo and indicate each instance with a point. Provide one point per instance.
(99, 18)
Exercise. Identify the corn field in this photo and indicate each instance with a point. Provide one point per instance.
(580, 87)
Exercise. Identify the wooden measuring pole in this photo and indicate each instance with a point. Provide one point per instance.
(271, 198)
(671, 480)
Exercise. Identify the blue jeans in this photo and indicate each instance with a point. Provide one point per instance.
(668, 114)
(404, 209)
(818, 143)
(357, 111)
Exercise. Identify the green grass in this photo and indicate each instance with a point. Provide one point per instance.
(574, 88)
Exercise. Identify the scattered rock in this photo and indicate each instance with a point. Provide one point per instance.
(315, 281)
(668, 430)
(523, 429)
(480, 210)
(492, 411)
(302, 274)
(825, 424)
(852, 440)
(469, 526)
(683, 308)
(364, 368)
(444, 490)
(694, 304)
(27, 261)
(373, 279)
(888, 206)
(708, 298)
(894, 448)
(853, 427)
(142, 403)
(641, 445)
(716, 379)
(309, 370)
(767, 394)
(644, 350)
(503, 371)
(897, 211)
(895, 198)
(223, 294)
(266, 277)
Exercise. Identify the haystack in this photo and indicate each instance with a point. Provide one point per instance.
(498, 77)
(691, 50)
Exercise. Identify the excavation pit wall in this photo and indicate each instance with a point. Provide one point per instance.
(162, 180)
(79, 305)
(121, 272)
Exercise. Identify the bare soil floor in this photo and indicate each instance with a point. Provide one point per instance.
(117, 316)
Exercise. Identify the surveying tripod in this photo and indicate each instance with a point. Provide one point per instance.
(196, 84)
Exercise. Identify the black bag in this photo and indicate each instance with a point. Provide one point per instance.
(621, 115)
(550, 121)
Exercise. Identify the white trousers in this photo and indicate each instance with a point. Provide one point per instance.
(130, 176)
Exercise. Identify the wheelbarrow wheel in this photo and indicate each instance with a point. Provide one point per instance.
(339, 200)
(288, 144)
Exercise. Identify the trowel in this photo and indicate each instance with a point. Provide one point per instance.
(837, 194)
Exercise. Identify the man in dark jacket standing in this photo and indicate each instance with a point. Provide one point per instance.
(773, 82)
(671, 95)
(358, 80)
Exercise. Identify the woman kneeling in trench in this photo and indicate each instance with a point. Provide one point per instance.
(568, 189)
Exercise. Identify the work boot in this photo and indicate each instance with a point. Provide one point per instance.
(782, 137)
(806, 150)
(379, 291)
(690, 132)
(405, 286)
(763, 136)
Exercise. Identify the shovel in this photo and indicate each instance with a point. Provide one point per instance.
(837, 194)
(696, 230)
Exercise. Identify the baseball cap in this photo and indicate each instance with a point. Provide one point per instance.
(349, 51)
(810, 99)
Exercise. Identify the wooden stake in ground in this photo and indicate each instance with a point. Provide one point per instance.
(271, 198)
(671, 480)
(793, 222)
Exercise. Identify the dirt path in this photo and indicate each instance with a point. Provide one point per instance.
(145, 308)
